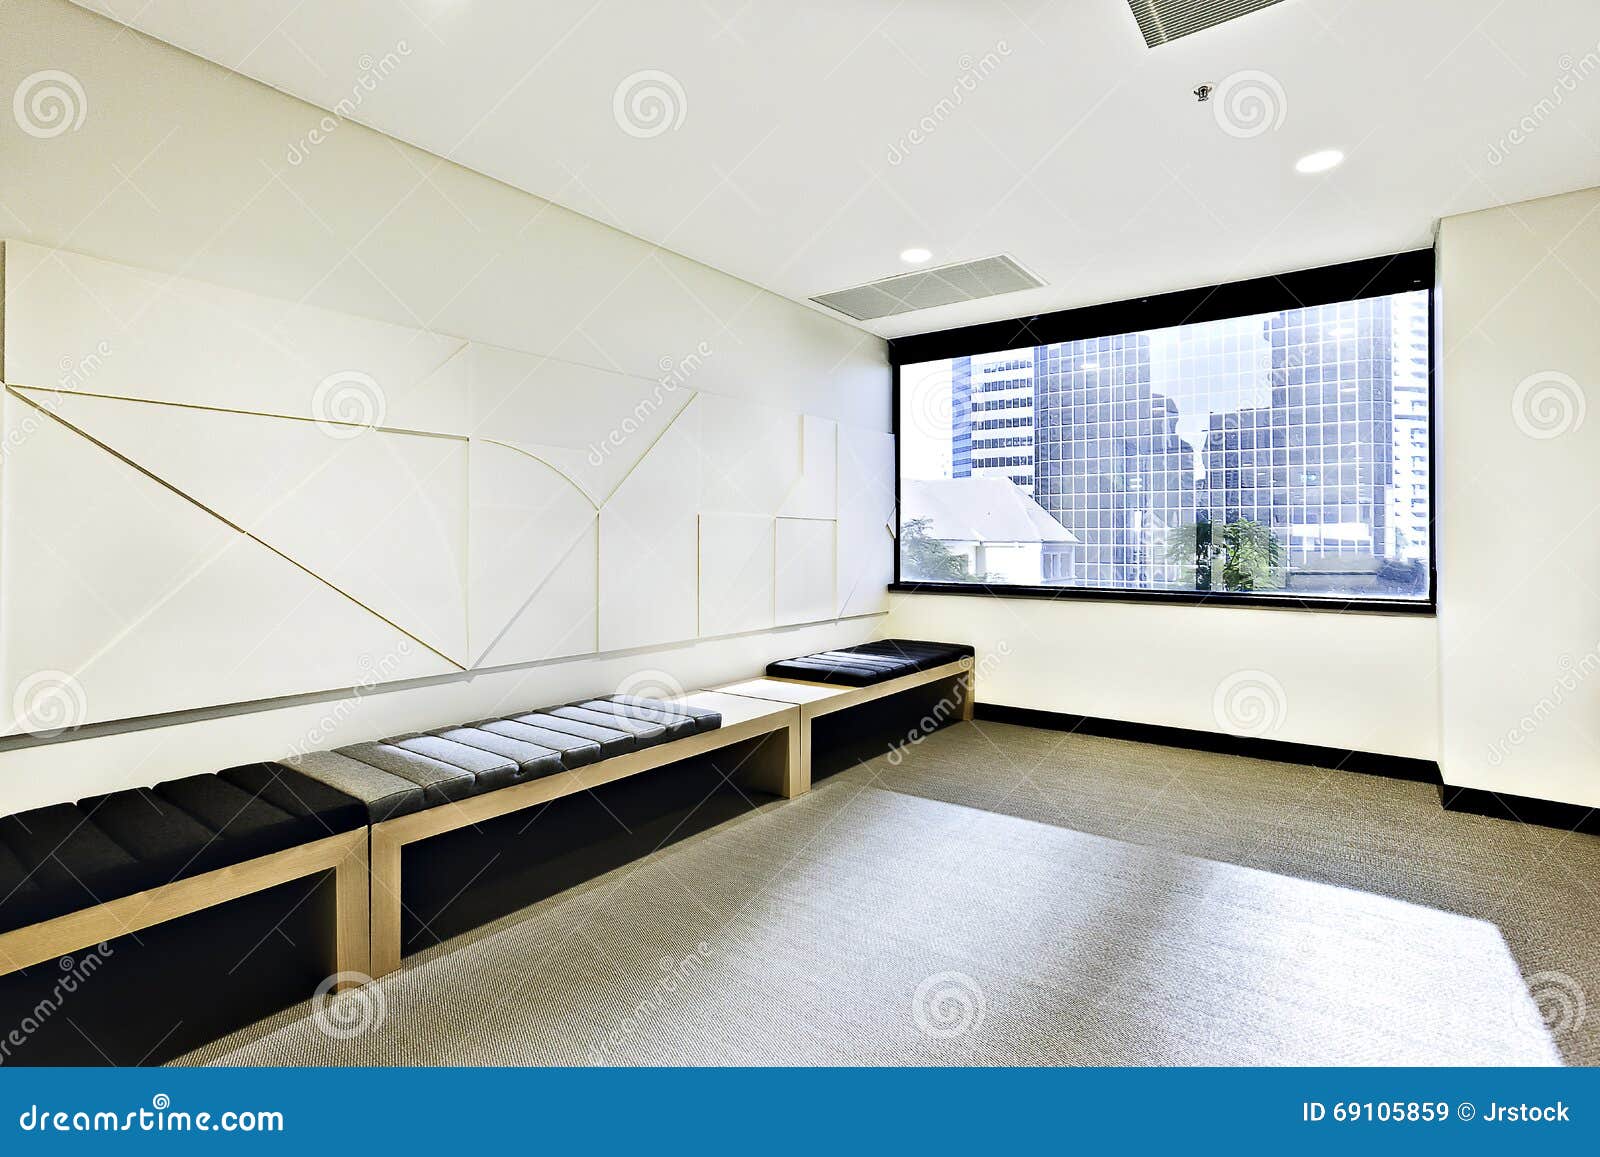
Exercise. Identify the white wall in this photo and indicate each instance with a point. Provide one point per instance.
(1503, 687)
(1519, 561)
(1345, 681)
(463, 297)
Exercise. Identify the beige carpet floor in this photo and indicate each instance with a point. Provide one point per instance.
(1010, 896)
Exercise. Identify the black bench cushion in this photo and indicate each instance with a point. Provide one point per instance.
(931, 654)
(299, 795)
(247, 824)
(869, 663)
(21, 900)
(61, 858)
(66, 862)
(160, 834)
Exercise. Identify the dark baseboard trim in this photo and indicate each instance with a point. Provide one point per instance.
(1333, 758)
(1569, 817)
(1523, 809)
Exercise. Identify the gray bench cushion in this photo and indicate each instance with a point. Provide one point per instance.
(573, 750)
(645, 733)
(612, 740)
(677, 725)
(489, 771)
(385, 795)
(440, 782)
(531, 759)
(407, 773)
(704, 719)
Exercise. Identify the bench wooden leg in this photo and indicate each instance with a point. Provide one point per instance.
(969, 693)
(779, 766)
(803, 754)
(385, 902)
(352, 914)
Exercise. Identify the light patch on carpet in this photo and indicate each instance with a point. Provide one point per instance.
(864, 926)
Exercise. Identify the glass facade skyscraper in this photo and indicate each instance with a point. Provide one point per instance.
(1304, 430)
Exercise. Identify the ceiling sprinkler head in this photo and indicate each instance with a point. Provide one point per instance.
(1203, 93)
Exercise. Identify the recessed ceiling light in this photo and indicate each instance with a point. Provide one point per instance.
(915, 256)
(1319, 162)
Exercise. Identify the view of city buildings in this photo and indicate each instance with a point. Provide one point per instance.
(1309, 426)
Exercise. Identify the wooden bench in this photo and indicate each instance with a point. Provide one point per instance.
(775, 766)
(74, 875)
(814, 700)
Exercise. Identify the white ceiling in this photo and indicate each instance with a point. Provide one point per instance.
(1080, 152)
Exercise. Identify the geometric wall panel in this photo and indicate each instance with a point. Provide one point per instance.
(153, 605)
(805, 571)
(592, 425)
(112, 329)
(736, 573)
(649, 552)
(526, 522)
(752, 455)
(816, 495)
(210, 496)
(558, 618)
(866, 520)
(379, 515)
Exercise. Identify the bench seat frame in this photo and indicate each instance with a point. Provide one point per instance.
(811, 704)
(345, 855)
(776, 766)
(366, 863)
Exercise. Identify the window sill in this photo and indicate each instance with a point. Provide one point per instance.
(1426, 607)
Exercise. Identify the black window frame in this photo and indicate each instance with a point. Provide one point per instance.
(1327, 285)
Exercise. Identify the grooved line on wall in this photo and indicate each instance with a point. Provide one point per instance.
(229, 523)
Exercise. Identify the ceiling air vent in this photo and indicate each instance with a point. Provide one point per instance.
(1162, 21)
(926, 288)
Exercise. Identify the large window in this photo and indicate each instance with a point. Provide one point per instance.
(1280, 455)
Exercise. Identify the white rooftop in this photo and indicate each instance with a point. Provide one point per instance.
(979, 510)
